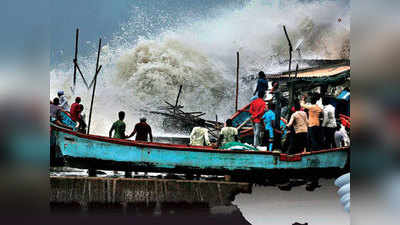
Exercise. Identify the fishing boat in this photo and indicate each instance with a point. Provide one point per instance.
(93, 151)
(56, 157)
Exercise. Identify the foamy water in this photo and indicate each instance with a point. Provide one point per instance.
(200, 54)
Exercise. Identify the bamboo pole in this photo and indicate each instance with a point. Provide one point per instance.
(244, 123)
(177, 98)
(237, 81)
(290, 49)
(94, 85)
(291, 93)
(80, 72)
(76, 56)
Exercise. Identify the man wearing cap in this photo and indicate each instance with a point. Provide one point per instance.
(142, 131)
(63, 100)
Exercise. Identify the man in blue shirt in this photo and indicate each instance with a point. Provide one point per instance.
(262, 84)
(269, 121)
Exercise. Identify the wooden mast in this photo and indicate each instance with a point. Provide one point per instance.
(237, 81)
(75, 58)
(94, 85)
(290, 49)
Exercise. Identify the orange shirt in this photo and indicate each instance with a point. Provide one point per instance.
(313, 114)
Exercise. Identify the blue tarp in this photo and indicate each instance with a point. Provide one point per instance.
(344, 95)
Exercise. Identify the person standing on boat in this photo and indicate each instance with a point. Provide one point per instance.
(119, 127)
(314, 114)
(283, 131)
(55, 110)
(299, 122)
(257, 109)
(262, 84)
(199, 135)
(341, 137)
(75, 109)
(142, 131)
(55, 113)
(328, 123)
(269, 121)
(63, 100)
(81, 120)
(227, 134)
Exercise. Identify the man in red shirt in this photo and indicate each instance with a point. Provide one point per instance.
(142, 130)
(257, 109)
(75, 109)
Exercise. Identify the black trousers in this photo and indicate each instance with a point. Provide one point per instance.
(329, 137)
(315, 138)
(277, 140)
(299, 142)
(288, 141)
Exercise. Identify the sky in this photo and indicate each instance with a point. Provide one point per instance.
(103, 18)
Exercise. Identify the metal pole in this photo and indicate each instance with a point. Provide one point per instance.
(237, 81)
(94, 86)
(76, 56)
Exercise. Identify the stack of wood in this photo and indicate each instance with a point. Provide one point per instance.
(178, 120)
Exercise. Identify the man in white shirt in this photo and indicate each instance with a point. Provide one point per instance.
(199, 135)
(328, 123)
(63, 100)
(228, 134)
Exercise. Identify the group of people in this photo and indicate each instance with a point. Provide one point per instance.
(60, 104)
(199, 135)
(142, 130)
(312, 126)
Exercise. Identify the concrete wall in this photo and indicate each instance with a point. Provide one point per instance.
(155, 195)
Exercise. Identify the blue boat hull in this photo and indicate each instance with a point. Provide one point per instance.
(90, 151)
